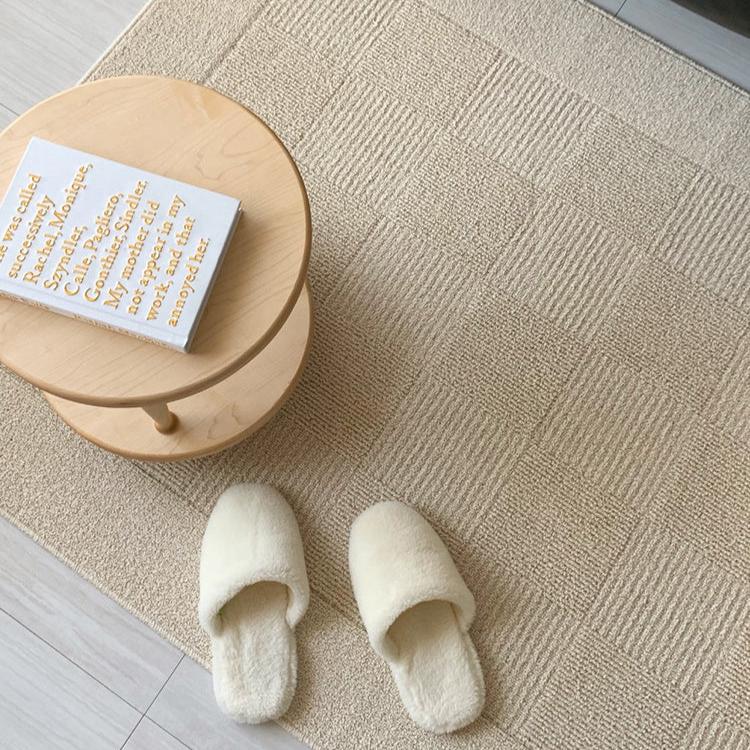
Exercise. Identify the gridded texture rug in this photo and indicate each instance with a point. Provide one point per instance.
(531, 270)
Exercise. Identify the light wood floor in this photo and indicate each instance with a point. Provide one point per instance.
(76, 670)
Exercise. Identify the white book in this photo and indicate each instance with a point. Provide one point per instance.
(115, 245)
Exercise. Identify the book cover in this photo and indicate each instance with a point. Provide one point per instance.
(112, 244)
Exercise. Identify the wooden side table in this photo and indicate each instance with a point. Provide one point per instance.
(136, 398)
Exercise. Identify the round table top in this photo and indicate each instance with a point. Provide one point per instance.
(190, 133)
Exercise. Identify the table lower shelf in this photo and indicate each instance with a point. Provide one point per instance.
(212, 419)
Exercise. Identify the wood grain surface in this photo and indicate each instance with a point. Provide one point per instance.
(212, 419)
(190, 133)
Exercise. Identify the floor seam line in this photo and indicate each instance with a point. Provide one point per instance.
(69, 659)
(159, 691)
(166, 731)
(137, 724)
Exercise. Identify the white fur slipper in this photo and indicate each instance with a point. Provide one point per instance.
(253, 591)
(417, 610)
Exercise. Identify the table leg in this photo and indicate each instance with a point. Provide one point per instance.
(165, 421)
(209, 420)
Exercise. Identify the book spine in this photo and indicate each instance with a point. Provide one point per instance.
(102, 324)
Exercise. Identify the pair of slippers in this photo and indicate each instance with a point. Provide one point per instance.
(415, 606)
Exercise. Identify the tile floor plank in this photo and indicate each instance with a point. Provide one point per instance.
(150, 736)
(48, 45)
(723, 51)
(187, 710)
(48, 702)
(611, 6)
(6, 116)
(81, 622)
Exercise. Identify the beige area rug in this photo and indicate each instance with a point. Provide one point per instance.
(531, 270)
